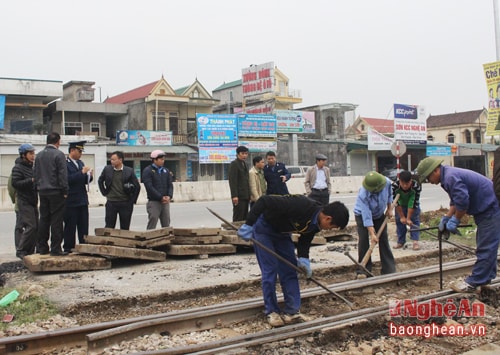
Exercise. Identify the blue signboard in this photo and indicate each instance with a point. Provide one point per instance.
(438, 151)
(405, 111)
(253, 125)
(217, 130)
(2, 111)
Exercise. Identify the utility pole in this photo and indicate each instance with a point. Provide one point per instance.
(497, 28)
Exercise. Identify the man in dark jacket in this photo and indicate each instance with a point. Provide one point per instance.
(271, 221)
(51, 177)
(121, 188)
(158, 183)
(239, 184)
(276, 175)
(76, 214)
(27, 200)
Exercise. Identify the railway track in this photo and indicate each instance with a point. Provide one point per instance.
(96, 337)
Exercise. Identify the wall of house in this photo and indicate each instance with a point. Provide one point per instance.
(137, 115)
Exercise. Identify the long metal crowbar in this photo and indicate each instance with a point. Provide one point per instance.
(282, 259)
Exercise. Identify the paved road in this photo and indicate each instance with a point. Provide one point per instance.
(195, 215)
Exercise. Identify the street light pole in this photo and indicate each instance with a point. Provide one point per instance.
(497, 28)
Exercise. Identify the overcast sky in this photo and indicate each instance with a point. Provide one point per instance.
(372, 53)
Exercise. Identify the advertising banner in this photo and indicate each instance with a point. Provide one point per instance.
(257, 79)
(128, 137)
(259, 145)
(217, 130)
(377, 141)
(250, 125)
(492, 75)
(295, 121)
(217, 155)
(410, 124)
(438, 151)
(2, 111)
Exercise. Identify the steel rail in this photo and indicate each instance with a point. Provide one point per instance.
(296, 330)
(77, 336)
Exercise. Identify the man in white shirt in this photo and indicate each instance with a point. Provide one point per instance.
(317, 181)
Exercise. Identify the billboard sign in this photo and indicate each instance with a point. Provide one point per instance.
(492, 75)
(217, 130)
(377, 141)
(256, 125)
(258, 79)
(2, 111)
(295, 121)
(410, 124)
(128, 137)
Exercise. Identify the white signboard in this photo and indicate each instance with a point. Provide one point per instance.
(410, 124)
(258, 79)
(377, 141)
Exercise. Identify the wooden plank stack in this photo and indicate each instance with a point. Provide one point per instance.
(127, 244)
(199, 242)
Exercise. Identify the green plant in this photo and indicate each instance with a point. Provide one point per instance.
(26, 310)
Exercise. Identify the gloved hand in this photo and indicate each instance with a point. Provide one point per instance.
(245, 232)
(452, 225)
(305, 265)
(442, 223)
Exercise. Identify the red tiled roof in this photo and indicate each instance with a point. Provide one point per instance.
(131, 95)
(380, 125)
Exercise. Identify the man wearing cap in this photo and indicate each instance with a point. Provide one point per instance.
(27, 200)
(159, 187)
(120, 186)
(51, 177)
(76, 215)
(239, 184)
(470, 193)
(372, 205)
(317, 181)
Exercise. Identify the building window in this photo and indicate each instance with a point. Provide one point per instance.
(331, 127)
(468, 137)
(477, 136)
(95, 127)
(173, 118)
(73, 128)
(451, 138)
(196, 94)
(430, 138)
(159, 121)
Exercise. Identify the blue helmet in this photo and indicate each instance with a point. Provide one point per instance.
(26, 147)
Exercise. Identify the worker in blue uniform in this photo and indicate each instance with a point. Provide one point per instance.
(470, 193)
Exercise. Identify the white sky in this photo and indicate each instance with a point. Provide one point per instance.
(372, 53)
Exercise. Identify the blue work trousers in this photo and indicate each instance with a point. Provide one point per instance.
(271, 268)
(401, 228)
(487, 239)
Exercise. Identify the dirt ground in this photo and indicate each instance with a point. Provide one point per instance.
(133, 288)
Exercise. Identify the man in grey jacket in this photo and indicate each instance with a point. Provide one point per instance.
(317, 181)
(51, 178)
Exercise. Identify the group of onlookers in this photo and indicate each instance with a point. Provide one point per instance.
(269, 177)
(51, 195)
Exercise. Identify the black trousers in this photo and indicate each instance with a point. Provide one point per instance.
(322, 196)
(122, 208)
(75, 218)
(240, 211)
(51, 223)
